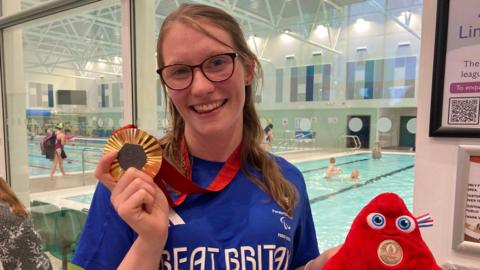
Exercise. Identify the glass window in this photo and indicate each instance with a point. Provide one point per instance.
(340, 78)
(63, 75)
(12, 6)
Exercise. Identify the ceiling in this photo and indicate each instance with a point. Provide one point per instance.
(87, 43)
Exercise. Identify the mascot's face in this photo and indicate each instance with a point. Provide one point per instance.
(386, 224)
(384, 236)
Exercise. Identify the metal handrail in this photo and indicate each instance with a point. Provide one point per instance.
(356, 141)
(87, 149)
(359, 142)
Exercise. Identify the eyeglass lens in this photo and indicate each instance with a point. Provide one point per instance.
(216, 69)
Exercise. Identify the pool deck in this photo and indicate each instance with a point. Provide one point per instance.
(42, 184)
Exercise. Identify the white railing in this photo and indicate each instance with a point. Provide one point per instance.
(355, 139)
(287, 141)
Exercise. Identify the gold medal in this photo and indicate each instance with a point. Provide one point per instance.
(390, 252)
(136, 148)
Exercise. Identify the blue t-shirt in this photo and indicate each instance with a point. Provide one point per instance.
(240, 227)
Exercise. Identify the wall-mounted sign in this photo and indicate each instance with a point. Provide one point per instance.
(455, 107)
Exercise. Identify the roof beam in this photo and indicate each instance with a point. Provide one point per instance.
(374, 3)
(300, 38)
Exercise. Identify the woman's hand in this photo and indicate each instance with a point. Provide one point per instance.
(138, 201)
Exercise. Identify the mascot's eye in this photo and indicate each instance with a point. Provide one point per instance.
(376, 221)
(405, 224)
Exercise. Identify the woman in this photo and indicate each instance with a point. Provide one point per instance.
(262, 218)
(20, 246)
(268, 135)
(57, 154)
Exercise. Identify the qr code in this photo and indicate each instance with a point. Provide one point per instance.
(463, 111)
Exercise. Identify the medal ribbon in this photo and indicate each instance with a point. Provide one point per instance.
(124, 127)
(184, 183)
(475, 159)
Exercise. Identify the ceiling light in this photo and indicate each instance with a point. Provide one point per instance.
(361, 25)
(321, 30)
(405, 17)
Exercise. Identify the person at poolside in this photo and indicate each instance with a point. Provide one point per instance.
(268, 135)
(20, 245)
(59, 153)
(262, 218)
(332, 170)
(376, 151)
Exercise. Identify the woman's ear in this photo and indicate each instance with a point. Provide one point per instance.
(249, 71)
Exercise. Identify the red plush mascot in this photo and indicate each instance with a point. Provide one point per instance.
(384, 235)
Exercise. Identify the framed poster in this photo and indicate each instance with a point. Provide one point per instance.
(466, 231)
(455, 103)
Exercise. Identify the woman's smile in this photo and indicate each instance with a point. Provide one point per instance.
(208, 107)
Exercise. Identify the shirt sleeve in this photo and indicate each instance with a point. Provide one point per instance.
(106, 238)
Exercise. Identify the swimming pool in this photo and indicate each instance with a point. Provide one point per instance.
(336, 202)
(90, 151)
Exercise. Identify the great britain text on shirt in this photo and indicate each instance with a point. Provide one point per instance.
(242, 258)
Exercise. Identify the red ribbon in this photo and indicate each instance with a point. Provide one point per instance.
(475, 159)
(124, 127)
(184, 184)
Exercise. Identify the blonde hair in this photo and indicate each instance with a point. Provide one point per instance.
(7, 195)
(273, 182)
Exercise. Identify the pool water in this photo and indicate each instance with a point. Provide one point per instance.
(84, 198)
(335, 202)
(77, 151)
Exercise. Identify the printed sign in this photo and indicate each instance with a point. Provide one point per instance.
(472, 208)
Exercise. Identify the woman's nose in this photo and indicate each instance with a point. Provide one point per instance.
(200, 83)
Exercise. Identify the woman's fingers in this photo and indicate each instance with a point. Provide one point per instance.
(161, 201)
(134, 186)
(102, 172)
(127, 178)
(131, 210)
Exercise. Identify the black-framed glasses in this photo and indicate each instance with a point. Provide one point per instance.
(217, 68)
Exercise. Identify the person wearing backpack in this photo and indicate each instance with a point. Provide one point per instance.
(58, 154)
(47, 144)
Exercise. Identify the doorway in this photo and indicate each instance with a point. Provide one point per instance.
(358, 125)
(407, 131)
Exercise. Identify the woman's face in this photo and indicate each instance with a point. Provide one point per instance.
(208, 108)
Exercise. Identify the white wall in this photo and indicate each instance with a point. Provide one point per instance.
(435, 170)
(392, 137)
(58, 82)
(68, 83)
